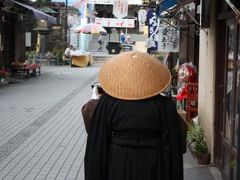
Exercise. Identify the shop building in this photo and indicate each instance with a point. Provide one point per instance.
(219, 84)
(14, 15)
(215, 50)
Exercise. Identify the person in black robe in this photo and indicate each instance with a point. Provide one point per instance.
(134, 137)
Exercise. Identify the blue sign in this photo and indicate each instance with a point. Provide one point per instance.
(152, 30)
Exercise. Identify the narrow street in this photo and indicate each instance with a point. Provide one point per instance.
(42, 135)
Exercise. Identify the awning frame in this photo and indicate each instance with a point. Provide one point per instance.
(179, 4)
(235, 10)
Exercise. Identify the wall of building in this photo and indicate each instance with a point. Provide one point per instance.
(207, 62)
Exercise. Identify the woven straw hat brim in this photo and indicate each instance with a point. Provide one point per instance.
(133, 76)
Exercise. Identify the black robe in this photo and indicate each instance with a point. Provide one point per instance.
(134, 140)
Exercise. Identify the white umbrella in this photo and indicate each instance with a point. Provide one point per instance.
(90, 28)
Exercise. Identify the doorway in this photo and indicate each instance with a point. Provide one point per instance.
(228, 99)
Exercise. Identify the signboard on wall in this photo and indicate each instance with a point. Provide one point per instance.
(113, 22)
(135, 2)
(168, 39)
(28, 39)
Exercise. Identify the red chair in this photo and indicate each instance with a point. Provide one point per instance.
(191, 101)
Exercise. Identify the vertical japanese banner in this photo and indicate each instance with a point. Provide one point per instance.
(120, 8)
(153, 25)
(81, 5)
(81, 40)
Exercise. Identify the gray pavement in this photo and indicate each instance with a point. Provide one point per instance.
(42, 135)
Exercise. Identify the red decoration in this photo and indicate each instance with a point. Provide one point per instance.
(187, 73)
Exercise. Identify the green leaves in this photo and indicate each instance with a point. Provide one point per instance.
(196, 138)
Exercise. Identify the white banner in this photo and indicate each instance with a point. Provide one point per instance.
(120, 8)
(135, 2)
(142, 16)
(112, 22)
(168, 39)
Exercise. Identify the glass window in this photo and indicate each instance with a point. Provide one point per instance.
(230, 84)
(236, 128)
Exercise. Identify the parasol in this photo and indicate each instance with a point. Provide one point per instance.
(90, 28)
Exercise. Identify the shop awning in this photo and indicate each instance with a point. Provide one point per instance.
(165, 4)
(37, 13)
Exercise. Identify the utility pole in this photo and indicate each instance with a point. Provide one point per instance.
(66, 23)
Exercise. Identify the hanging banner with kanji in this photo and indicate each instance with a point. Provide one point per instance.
(113, 22)
(120, 8)
(168, 39)
(153, 23)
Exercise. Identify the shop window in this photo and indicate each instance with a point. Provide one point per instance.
(230, 84)
(237, 124)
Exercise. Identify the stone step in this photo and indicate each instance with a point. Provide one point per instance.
(114, 37)
(101, 59)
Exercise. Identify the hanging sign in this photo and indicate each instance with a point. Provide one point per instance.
(120, 8)
(113, 22)
(152, 42)
(142, 16)
(168, 39)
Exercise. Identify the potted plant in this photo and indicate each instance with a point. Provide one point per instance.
(58, 54)
(198, 144)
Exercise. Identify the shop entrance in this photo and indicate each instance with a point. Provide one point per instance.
(228, 99)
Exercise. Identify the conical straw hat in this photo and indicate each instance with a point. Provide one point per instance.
(133, 76)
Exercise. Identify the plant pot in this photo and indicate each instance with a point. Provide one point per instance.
(204, 159)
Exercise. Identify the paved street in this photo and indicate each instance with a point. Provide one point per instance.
(41, 131)
(42, 135)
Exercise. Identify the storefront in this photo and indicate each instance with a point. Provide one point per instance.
(6, 38)
(227, 92)
(13, 18)
(219, 85)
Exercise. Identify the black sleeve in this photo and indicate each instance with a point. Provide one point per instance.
(178, 124)
(178, 144)
(98, 143)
